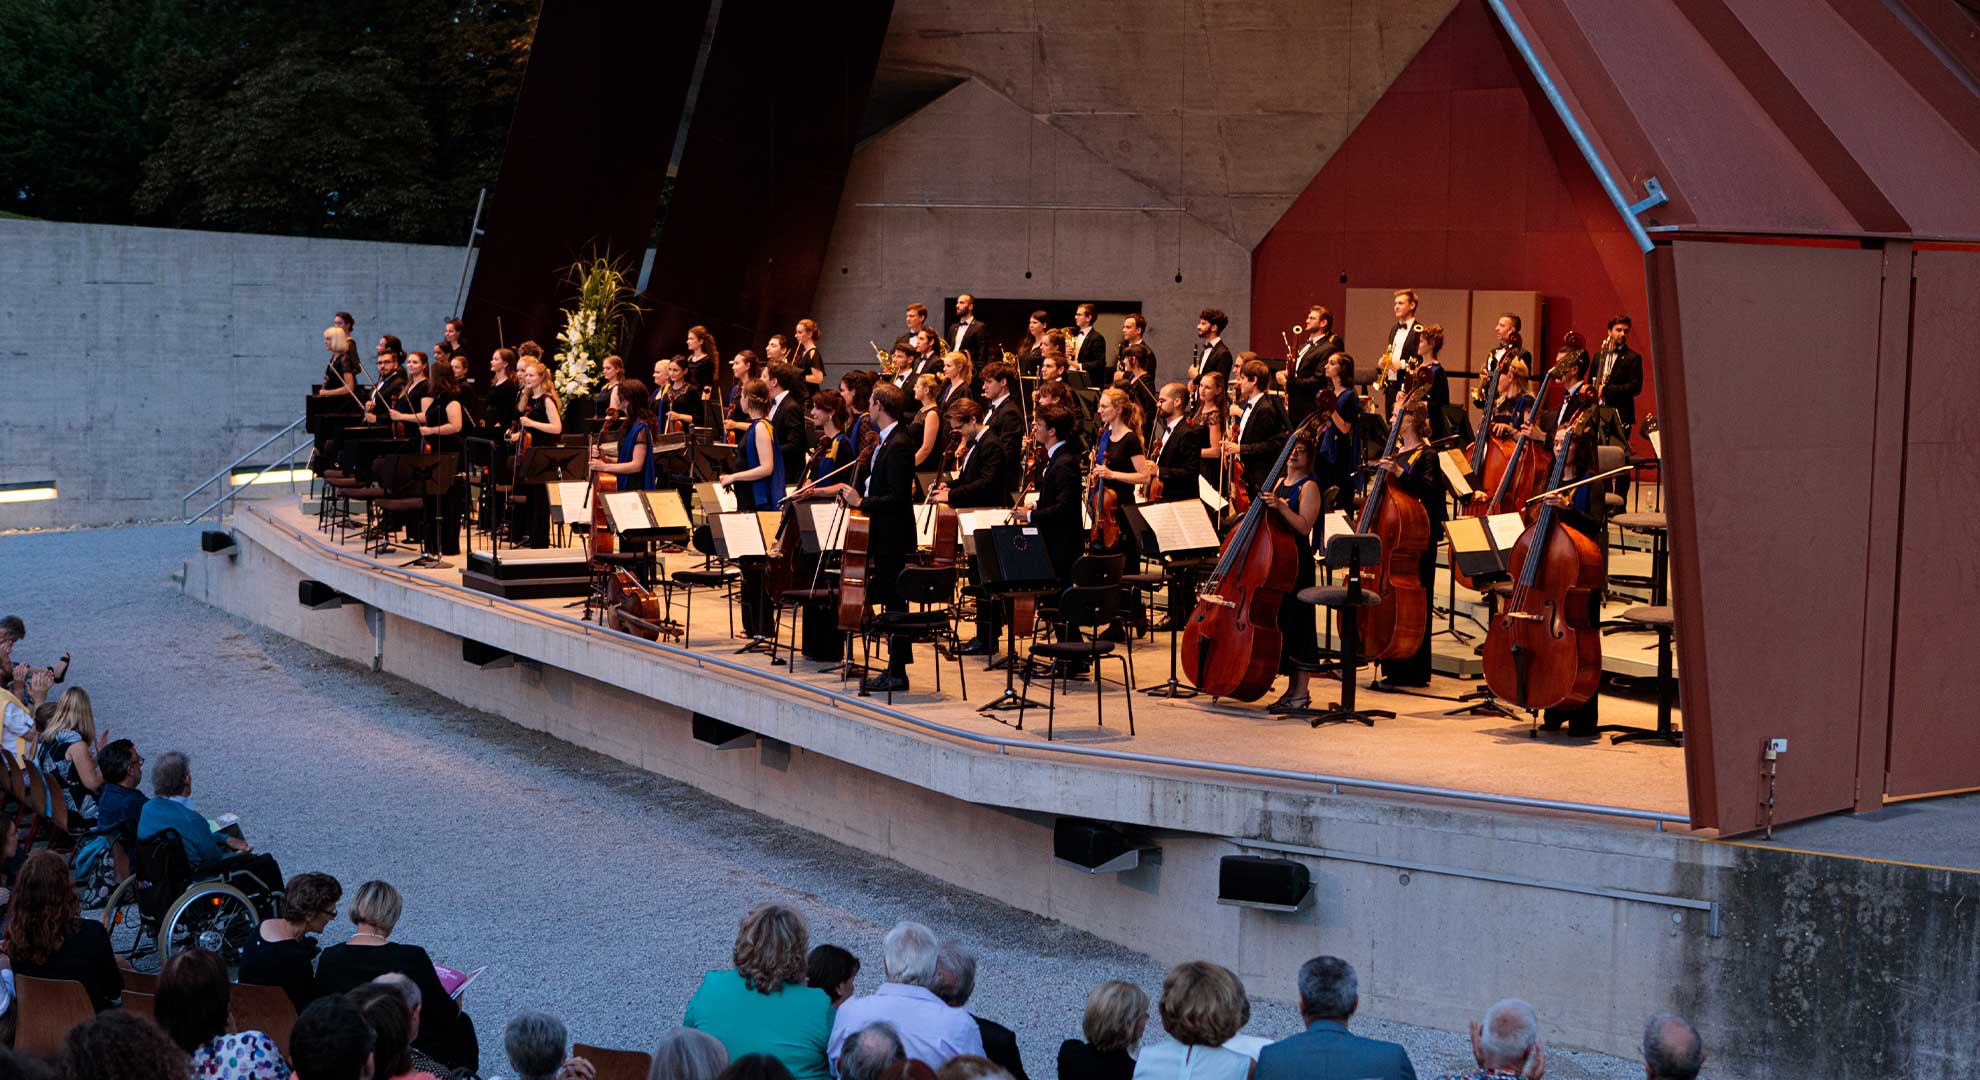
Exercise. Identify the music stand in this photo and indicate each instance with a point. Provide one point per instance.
(1012, 562)
(1475, 549)
(1182, 534)
(736, 536)
(1351, 551)
(429, 476)
(712, 459)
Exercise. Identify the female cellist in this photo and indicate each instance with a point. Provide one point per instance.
(1413, 468)
(828, 415)
(928, 430)
(1297, 499)
(541, 416)
(1338, 463)
(441, 421)
(634, 464)
(759, 485)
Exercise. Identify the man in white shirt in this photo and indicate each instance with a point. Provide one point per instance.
(931, 1030)
(1402, 343)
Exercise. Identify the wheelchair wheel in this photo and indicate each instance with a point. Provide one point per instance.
(130, 938)
(211, 915)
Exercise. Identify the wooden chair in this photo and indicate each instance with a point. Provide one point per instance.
(141, 1003)
(614, 1064)
(144, 982)
(48, 1009)
(266, 1009)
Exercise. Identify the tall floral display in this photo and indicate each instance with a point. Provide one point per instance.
(601, 320)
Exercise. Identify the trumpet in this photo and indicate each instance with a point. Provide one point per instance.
(884, 358)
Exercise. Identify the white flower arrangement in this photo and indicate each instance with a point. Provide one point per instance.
(593, 328)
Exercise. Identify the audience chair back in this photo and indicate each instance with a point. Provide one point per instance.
(614, 1064)
(48, 1009)
(141, 1003)
(144, 982)
(266, 1009)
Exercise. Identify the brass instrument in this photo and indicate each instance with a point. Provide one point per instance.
(884, 357)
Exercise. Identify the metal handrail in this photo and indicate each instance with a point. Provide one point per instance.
(843, 700)
(228, 470)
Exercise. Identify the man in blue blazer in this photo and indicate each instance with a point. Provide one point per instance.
(1327, 1050)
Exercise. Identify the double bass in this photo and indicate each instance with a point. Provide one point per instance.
(1527, 466)
(1543, 650)
(1394, 628)
(1232, 644)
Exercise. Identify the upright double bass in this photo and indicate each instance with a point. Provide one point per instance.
(1394, 628)
(1543, 650)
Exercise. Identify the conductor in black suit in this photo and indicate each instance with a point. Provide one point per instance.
(1260, 430)
(982, 479)
(788, 423)
(1216, 356)
(1619, 370)
(1089, 348)
(883, 487)
(1309, 362)
(968, 334)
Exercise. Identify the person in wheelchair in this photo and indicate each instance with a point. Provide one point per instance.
(208, 853)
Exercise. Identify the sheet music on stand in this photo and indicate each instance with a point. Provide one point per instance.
(642, 515)
(1456, 468)
(737, 535)
(924, 525)
(1180, 527)
(1332, 524)
(824, 522)
(711, 494)
(969, 521)
(1481, 545)
(567, 502)
(770, 521)
(1656, 444)
(1506, 529)
(1207, 491)
(1085, 510)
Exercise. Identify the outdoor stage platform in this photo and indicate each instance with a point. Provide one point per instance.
(1454, 859)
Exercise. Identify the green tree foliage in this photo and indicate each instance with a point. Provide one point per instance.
(361, 119)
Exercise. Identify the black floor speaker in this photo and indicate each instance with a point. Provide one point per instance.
(1257, 881)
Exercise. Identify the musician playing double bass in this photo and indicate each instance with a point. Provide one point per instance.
(1297, 500)
(883, 488)
(982, 478)
(1581, 510)
(1414, 469)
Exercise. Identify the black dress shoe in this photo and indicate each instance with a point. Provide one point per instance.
(979, 647)
(885, 684)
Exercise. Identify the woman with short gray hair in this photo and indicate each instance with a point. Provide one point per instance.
(762, 1005)
(535, 1042)
(687, 1054)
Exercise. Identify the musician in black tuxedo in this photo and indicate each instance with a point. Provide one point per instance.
(1215, 355)
(968, 334)
(1619, 371)
(1260, 430)
(1402, 344)
(1003, 417)
(1061, 488)
(1134, 331)
(1088, 347)
(788, 423)
(883, 488)
(982, 479)
(1176, 447)
(1309, 362)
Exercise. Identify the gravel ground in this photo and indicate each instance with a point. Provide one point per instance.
(590, 888)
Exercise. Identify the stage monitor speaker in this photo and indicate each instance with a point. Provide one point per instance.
(317, 596)
(485, 656)
(1095, 848)
(213, 541)
(721, 734)
(1259, 882)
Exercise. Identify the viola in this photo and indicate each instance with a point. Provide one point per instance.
(1543, 650)
(1394, 628)
(1105, 508)
(1232, 645)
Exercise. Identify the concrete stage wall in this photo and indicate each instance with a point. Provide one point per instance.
(1442, 907)
(139, 361)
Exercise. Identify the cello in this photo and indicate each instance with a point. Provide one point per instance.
(1231, 645)
(1526, 468)
(1543, 650)
(1394, 628)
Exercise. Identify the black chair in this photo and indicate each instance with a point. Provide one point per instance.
(1657, 618)
(711, 575)
(1652, 524)
(1349, 551)
(1087, 607)
(929, 620)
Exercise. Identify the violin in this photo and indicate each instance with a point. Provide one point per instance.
(1104, 506)
(1543, 650)
(1394, 628)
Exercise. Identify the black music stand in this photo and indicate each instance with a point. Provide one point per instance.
(1011, 562)
(1476, 553)
(1181, 564)
(1351, 552)
(429, 476)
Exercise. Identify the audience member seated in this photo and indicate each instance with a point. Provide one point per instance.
(538, 1046)
(870, 1053)
(120, 802)
(687, 1054)
(408, 992)
(1672, 1049)
(193, 1006)
(208, 853)
(282, 953)
(833, 970)
(1203, 1005)
(1328, 996)
(1116, 1016)
(931, 1030)
(444, 1030)
(15, 1065)
(955, 981)
(122, 1046)
(756, 1067)
(971, 1067)
(762, 1006)
(910, 1069)
(1506, 1044)
(48, 938)
(390, 1019)
(331, 1041)
(66, 755)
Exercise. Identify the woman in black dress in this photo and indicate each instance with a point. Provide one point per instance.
(811, 369)
(1297, 500)
(1414, 468)
(442, 423)
(703, 357)
(542, 418)
(1118, 462)
(445, 1032)
(929, 429)
(410, 406)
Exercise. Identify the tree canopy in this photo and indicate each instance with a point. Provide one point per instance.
(362, 119)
